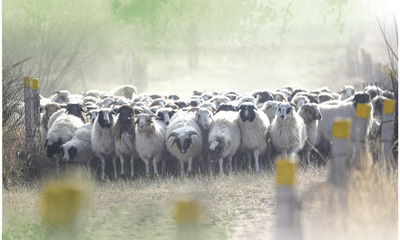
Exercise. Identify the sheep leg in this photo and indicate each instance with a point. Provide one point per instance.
(163, 166)
(221, 167)
(147, 163)
(248, 158)
(182, 168)
(88, 169)
(57, 166)
(230, 164)
(132, 165)
(115, 167)
(122, 161)
(155, 164)
(103, 167)
(256, 156)
(190, 165)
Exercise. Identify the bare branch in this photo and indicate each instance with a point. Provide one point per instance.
(386, 41)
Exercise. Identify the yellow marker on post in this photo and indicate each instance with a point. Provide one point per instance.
(341, 129)
(35, 84)
(388, 106)
(60, 205)
(27, 81)
(363, 110)
(285, 171)
(186, 212)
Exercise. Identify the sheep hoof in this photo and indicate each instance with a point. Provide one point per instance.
(123, 176)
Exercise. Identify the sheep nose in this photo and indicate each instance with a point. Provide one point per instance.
(282, 116)
(167, 122)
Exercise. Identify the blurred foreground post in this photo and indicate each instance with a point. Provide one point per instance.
(286, 202)
(359, 133)
(386, 133)
(31, 98)
(339, 162)
(187, 215)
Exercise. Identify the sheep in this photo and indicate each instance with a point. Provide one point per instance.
(373, 91)
(102, 139)
(79, 148)
(105, 102)
(280, 97)
(150, 140)
(342, 110)
(226, 107)
(288, 131)
(92, 115)
(61, 96)
(254, 126)
(269, 108)
(94, 93)
(299, 101)
(325, 97)
(262, 97)
(124, 137)
(49, 110)
(173, 97)
(346, 92)
(246, 98)
(311, 116)
(60, 132)
(184, 139)
(218, 100)
(224, 138)
(127, 91)
(54, 117)
(165, 114)
(77, 109)
(295, 92)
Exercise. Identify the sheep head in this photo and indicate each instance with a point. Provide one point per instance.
(125, 113)
(310, 112)
(69, 153)
(183, 140)
(105, 118)
(144, 121)
(284, 110)
(53, 147)
(247, 112)
(203, 117)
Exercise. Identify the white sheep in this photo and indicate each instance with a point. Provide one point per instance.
(184, 139)
(61, 96)
(254, 126)
(103, 141)
(127, 91)
(60, 132)
(49, 110)
(224, 138)
(311, 116)
(299, 101)
(79, 148)
(150, 140)
(288, 131)
(269, 108)
(124, 136)
(342, 110)
(346, 92)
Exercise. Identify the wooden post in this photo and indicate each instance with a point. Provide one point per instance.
(359, 133)
(339, 162)
(286, 202)
(31, 97)
(387, 131)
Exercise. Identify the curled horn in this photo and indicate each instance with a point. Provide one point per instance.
(173, 134)
(189, 135)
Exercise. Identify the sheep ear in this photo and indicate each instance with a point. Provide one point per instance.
(83, 108)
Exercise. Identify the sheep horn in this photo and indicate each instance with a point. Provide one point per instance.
(173, 134)
(190, 133)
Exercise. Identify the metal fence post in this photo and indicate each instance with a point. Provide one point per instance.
(31, 98)
(359, 133)
(339, 162)
(387, 132)
(286, 201)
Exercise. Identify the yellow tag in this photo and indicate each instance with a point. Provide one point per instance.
(27, 81)
(59, 205)
(341, 129)
(388, 107)
(285, 172)
(363, 110)
(35, 84)
(186, 212)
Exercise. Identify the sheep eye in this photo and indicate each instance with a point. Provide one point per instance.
(137, 121)
(288, 110)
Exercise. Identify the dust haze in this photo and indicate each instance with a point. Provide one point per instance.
(179, 46)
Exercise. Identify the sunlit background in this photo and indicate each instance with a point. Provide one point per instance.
(177, 46)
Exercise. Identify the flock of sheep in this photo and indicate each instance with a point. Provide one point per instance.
(168, 133)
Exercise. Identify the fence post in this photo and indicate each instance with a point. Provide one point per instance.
(31, 98)
(387, 131)
(359, 133)
(286, 202)
(339, 162)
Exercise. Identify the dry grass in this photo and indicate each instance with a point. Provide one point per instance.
(241, 206)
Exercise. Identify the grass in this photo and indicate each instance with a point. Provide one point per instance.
(241, 206)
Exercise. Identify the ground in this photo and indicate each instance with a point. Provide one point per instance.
(240, 206)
